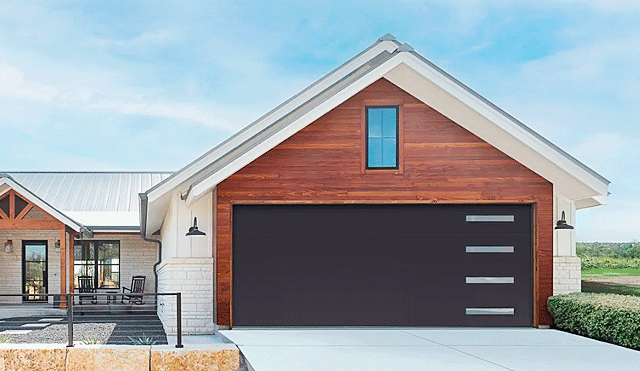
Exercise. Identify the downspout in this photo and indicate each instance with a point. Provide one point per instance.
(143, 233)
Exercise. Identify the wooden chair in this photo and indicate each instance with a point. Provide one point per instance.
(85, 286)
(135, 292)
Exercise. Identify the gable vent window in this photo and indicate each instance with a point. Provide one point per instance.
(382, 137)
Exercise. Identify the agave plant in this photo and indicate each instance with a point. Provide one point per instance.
(91, 340)
(143, 340)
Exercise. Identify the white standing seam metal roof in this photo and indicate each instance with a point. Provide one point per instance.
(97, 200)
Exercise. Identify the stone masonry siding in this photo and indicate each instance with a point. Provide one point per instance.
(566, 274)
(137, 258)
(193, 277)
(11, 263)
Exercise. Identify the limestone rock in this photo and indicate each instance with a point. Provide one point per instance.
(195, 360)
(111, 358)
(32, 359)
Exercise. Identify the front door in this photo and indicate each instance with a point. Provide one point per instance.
(34, 268)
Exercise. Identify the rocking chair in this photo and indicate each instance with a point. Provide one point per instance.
(135, 292)
(85, 286)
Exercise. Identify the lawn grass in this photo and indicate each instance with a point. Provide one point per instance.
(609, 272)
(609, 288)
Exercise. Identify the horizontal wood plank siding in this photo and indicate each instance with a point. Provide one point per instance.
(442, 162)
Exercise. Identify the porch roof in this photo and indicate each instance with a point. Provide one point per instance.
(100, 201)
(7, 183)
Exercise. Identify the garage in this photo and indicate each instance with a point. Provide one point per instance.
(382, 265)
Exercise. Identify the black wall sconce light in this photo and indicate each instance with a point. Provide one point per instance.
(562, 223)
(193, 231)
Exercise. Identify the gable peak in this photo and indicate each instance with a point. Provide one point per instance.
(387, 37)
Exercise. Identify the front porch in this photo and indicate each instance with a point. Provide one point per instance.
(43, 251)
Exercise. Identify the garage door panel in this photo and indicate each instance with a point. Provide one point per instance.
(376, 265)
(397, 220)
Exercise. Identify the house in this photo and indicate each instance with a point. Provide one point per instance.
(57, 226)
(387, 193)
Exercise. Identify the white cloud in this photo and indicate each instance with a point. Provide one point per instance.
(617, 222)
(170, 110)
(144, 43)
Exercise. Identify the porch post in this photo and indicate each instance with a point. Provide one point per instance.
(63, 266)
(70, 253)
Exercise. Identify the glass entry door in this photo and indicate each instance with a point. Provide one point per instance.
(34, 268)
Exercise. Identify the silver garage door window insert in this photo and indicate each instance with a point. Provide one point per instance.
(490, 280)
(491, 218)
(489, 311)
(489, 249)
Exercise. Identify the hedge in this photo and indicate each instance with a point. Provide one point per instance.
(609, 317)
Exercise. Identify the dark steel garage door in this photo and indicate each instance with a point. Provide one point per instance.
(382, 265)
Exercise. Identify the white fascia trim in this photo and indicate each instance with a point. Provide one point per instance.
(591, 202)
(336, 75)
(599, 187)
(295, 126)
(41, 204)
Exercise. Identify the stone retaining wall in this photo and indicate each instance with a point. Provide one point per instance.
(15, 357)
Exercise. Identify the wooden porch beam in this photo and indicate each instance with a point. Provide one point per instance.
(30, 224)
(25, 211)
(12, 204)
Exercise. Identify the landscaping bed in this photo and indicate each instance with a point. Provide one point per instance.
(608, 317)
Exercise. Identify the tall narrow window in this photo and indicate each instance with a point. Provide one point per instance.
(382, 137)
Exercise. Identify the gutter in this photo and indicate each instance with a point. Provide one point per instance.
(144, 200)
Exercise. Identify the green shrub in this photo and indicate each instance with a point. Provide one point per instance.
(608, 317)
(609, 262)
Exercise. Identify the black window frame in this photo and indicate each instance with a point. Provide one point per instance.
(366, 137)
(95, 260)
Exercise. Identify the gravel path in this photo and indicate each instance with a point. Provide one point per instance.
(105, 328)
(57, 333)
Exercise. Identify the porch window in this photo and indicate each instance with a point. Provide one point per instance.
(98, 259)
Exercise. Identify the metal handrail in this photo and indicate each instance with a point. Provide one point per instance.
(70, 305)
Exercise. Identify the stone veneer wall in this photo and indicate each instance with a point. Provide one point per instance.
(193, 277)
(566, 275)
(11, 263)
(137, 258)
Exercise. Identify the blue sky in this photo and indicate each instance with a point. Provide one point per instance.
(152, 85)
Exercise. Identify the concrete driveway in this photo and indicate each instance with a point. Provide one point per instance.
(409, 349)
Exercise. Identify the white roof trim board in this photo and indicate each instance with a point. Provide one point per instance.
(6, 183)
(401, 65)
